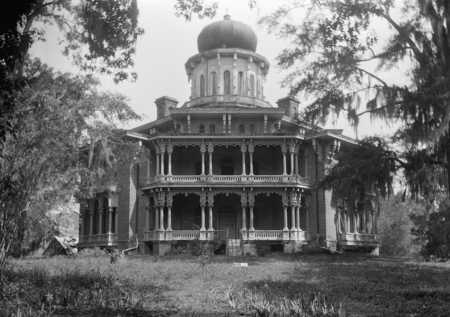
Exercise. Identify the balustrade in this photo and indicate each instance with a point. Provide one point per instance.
(229, 179)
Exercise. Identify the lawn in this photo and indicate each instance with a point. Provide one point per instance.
(183, 286)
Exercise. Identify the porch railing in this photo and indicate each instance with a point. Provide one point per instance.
(228, 179)
(96, 238)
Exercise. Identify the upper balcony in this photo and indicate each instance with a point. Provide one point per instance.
(248, 180)
(228, 99)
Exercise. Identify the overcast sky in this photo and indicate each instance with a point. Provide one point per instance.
(167, 44)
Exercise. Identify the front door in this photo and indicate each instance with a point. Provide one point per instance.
(227, 221)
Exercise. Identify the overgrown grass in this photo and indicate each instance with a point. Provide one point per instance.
(181, 285)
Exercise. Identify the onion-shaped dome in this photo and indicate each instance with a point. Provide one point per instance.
(227, 34)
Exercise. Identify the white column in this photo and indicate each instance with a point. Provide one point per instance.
(296, 164)
(100, 221)
(224, 128)
(251, 218)
(110, 219)
(243, 150)
(210, 218)
(91, 223)
(307, 219)
(169, 152)
(162, 163)
(161, 219)
(210, 151)
(117, 221)
(285, 218)
(203, 218)
(284, 150)
(293, 218)
(203, 163)
(169, 218)
(297, 222)
(244, 219)
(229, 123)
(251, 163)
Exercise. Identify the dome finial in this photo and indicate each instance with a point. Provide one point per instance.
(227, 16)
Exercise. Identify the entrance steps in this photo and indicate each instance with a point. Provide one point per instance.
(234, 247)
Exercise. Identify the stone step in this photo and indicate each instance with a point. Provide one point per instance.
(234, 247)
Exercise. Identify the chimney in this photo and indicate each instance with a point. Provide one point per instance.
(290, 106)
(163, 106)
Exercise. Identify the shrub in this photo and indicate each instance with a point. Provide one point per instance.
(261, 247)
(90, 252)
(197, 247)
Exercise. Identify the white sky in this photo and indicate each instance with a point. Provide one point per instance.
(167, 44)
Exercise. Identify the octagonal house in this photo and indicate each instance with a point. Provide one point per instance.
(227, 167)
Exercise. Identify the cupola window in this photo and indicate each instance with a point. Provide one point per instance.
(241, 83)
(213, 84)
(252, 129)
(226, 83)
(212, 128)
(241, 129)
(201, 129)
(202, 86)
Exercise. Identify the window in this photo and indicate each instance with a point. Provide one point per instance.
(178, 127)
(201, 129)
(212, 128)
(202, 86)
(105, 218)
(252, 86)
(241, 129)
(227, 167)
(226, 83)
(252, 129)
(213, 84)
(241, 83)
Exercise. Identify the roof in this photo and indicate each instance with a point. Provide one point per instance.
(227, 33)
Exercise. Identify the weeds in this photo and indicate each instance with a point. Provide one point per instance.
(262, 248)
(265, 305)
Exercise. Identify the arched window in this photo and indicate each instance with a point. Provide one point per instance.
(202, 86)
(212, 128)
(105, 218)
(241, 129)
(226, 83)
(252, 86)
(252, 129)
(213, 83)
(227, 167)
(241, 83)
(178, 127)
(201, 128)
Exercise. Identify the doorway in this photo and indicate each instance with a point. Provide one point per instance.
(227, 221)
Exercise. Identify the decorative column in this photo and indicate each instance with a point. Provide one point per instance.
(265, 123)
(292, 150)
(188, 119)
(169, 203)
(116, 230)
(210, 151)
(210, 218)
(110, 220)
(224, 128)
(296, 150)
(203, 151)
(162, 150)
(285, 203)
(229, 123)
(297, 212)
(156, 212)
(157, 161)
(161, 198)
(244, 208)
(307, 220)
(251, 149)
(169, 152)
(203, 205)
(100, 220)
(284, 151)
(251, 204)
(293, 206)
(91, 222)
(243, 150)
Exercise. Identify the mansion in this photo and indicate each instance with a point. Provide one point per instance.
(227, 165)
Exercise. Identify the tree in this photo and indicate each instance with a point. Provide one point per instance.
(46, 117)
(66, 141)
(331, 61)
